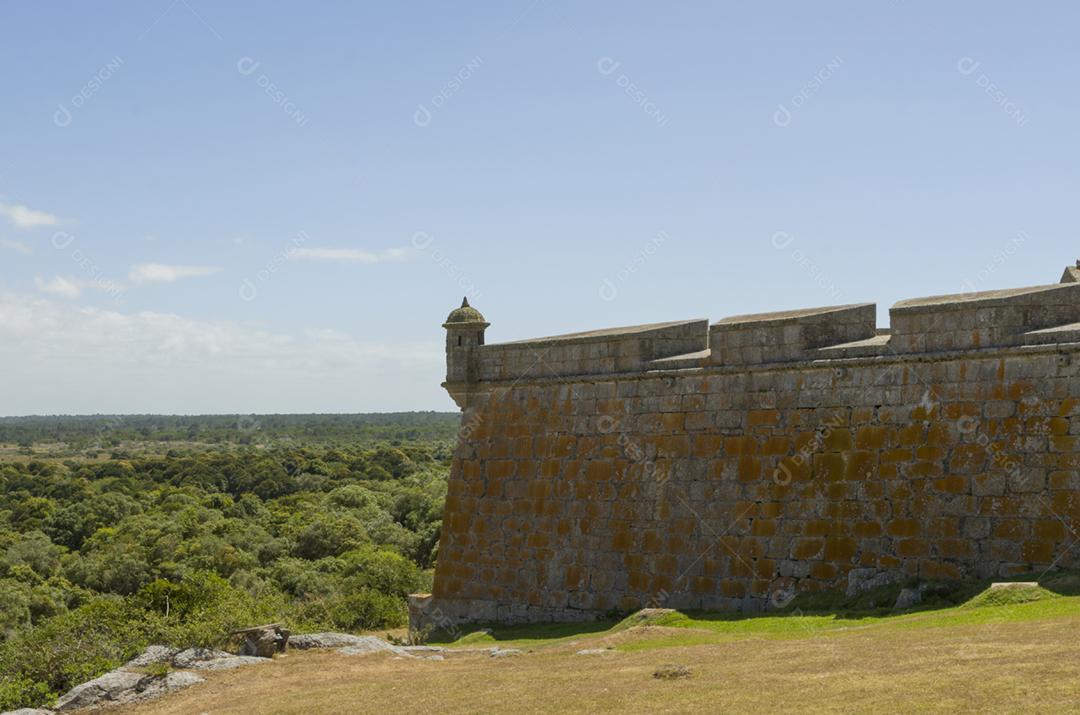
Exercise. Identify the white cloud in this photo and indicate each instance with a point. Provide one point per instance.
(58, 357)
(59, 286)
(18, 246)
(73, 287)
(349, 255)
(25, 217)
(161, 273)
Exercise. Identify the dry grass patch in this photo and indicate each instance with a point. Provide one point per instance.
(990, 665)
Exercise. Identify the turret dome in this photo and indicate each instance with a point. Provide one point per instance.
(465, 314)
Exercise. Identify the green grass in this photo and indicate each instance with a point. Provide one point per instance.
(995, 607)
(1006, 650)
(523, 635)
(814, 615)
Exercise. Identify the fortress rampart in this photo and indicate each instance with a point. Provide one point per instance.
(728, 466)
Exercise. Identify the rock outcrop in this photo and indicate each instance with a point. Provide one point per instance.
(122, 686)
(264, 641)
(326, 640)
(131, 683)
(210, 659)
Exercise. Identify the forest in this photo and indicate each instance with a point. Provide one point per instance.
(121, 531)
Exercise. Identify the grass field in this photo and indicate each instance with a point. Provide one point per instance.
(999, 652)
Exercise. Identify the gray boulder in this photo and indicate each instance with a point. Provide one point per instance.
(192, 656)
(121, 686)
(28, 711)
(415, 649)
(327, 640)
(211, 659)
(908, 597)
(153, 654)
(264, 641)
(157, 687)
(505, 652)
(364, 645)
(233, 661)
(115, 687)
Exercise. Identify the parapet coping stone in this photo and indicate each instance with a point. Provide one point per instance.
(875, 341)
(988, 298)
(602, 334)
(1068, 328)
(685, 357)
(884, 358)
(867, 347)
(786, 316)
(928, 304)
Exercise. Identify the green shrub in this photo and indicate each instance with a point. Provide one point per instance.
(381, 570)
(329, 536)
(14, 606)
(360, 611)
(74, 647)
(99, 636)
(203, 610)
(17, 691)
(158, 670)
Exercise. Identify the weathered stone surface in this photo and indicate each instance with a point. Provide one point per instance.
(115, 687)
(363, 645)
(505, 652)
(177, 680)
(264, 641)
(585, 480)
(862, 580)
(908, 598)
(233, 661)
(191, 656)
(211, 659)
(645, 615)
(262, 644)
(422, 649)
(594, 651)
(152, 654)
(1013, 584)
(121, 686)
(304, 641)
(28, 711)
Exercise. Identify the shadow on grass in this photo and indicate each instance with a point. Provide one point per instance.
(481, 634)
(874, 604)
(881, 602)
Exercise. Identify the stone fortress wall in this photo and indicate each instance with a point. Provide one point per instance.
(729, 466)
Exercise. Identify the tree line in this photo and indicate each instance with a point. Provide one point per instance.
(100, 557)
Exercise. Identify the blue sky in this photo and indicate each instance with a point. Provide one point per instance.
(253, 207)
